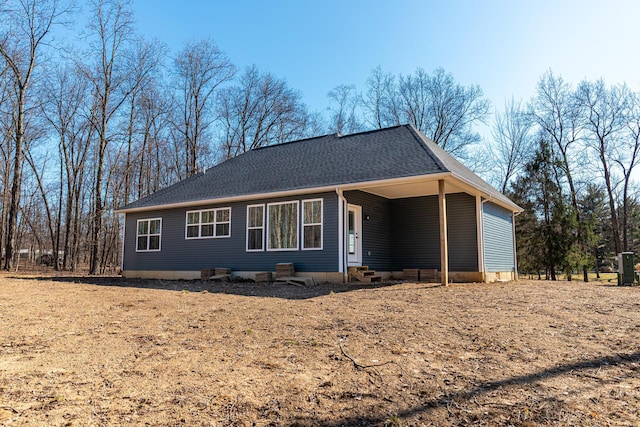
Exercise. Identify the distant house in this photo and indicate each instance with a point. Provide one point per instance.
(390, 199)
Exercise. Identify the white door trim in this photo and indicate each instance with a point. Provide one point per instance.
(354, 235)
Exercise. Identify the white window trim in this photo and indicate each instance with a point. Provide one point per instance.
(289, 202)
(263, 227)
(321, 224)
(148, 235)
(199, 224)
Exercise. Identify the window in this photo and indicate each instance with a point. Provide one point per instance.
(255, 227)
(312, 224)
(148, 235)
(209, 223)
(282, 226)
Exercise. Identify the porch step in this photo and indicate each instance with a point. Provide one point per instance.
(362, 274)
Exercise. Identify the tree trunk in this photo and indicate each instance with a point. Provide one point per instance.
(615, 226)
(16, 186)
(97, 216)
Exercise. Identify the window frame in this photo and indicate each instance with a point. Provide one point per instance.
(149, 234)
(297, 231)
(215, 223)
(262, 227)
(313, 224)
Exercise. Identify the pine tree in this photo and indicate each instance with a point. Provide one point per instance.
(548, 228)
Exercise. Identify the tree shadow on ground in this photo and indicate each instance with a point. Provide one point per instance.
(450, 400)
(232, 287)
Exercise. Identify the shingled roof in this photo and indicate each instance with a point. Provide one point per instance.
(324, 161)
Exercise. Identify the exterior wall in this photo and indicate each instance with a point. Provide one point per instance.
(180, 254)
(416, 233)
(497, 227)
(399, 234)
(462, 231)
(376, 231)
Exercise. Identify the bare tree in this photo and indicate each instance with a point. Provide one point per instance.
(415, 99)
(452, 112)
(199, 69)
(379, 100)
(628, 160)
(154, 171)
(145, 65)
(48, 209)
(111, 30)
(558, 115)
(604, 119)
(513, 142)
(6, 149)
(344, 105)
(436, 104)
(67, 93)
(260, 110)
(24, 26)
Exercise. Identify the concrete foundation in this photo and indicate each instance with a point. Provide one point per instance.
(333, 277)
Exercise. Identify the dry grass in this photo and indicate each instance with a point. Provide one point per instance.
(114, 352)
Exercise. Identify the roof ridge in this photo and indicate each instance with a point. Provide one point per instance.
(264, 147)
(365, 132)
(423, 141)
(335, 135)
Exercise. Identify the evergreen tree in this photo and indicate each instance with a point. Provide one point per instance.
(548, 228)
(597, 224)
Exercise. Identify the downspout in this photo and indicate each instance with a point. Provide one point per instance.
(515, 249)
(124, 227)
(342, 261)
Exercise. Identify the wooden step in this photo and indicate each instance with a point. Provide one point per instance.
(362, 274)
(284, 269)
(365, 279)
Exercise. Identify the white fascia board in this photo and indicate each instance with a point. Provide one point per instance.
(510, 206)
(311, 190)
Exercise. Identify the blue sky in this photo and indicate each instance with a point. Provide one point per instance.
(504, 46)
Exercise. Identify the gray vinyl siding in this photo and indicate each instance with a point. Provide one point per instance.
(462, 231)
(498, 238)
(416, 233)
(376, 231)
(180, 254)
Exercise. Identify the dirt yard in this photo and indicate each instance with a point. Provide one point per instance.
(106, 351)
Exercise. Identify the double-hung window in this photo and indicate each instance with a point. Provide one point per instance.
(312, 224)
(148, 235)
(255, 227)
(282, 226)
(204, 224)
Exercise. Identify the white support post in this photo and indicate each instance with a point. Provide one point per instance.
(444, 246)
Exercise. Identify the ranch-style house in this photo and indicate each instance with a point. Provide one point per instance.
(390, 199)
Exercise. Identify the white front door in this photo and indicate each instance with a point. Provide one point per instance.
(354, 242)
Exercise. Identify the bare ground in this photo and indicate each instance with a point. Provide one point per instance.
(106, 351)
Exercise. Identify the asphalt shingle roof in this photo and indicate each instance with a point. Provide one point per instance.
(329, 160)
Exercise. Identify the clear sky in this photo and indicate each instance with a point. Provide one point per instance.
(504, 46)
